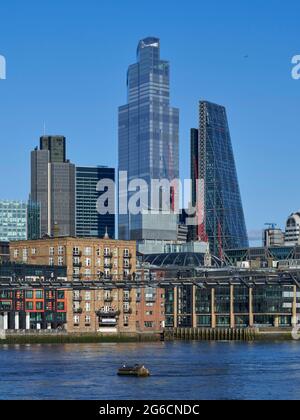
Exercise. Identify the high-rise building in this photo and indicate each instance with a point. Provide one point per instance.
(13, 221)
(33, 220)
(273, 236)
(89, 223)
(292, 230)
(148, 140)
(53, 187)
(219, 205)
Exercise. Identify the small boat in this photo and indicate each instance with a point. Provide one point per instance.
(137, 370)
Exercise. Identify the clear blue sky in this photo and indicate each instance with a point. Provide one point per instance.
(67, 63)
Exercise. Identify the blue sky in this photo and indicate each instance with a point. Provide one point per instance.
(67, 63)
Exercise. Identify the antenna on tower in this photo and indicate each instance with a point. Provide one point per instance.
(44, 128)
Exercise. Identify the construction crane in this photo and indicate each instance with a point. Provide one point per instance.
(271, 225)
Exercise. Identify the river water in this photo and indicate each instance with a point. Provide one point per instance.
(180, 370)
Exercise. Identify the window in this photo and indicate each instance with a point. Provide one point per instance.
(87, 320)
(148, 324)
(16, 253)
(60, 306)
(39, 306)
(51, 261)
(25, 254)
(106, 252)
(60, 261)
(98, 252)
(87, 295)
(60, 294)
(126, 253)
(88, 251)
(29, 294)
(98, 262)
(33, 251)
(29, 306)
(76, 320)
(51, 250)
(88, 262)
(60, 250)
(39, 294)
(115, 252)
(76, 251)
(88, 272)
(87, 307)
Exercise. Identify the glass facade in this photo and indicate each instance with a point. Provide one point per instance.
(148, 138)
(224, 217)
(13, 221)
(228, 306)
(89, 223)
(33, 220)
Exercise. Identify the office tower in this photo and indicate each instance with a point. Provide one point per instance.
(89, 223)
(220, 211)
(53, 187)
(33, 220)
(13, 221)
(292, 230)
(148, 140)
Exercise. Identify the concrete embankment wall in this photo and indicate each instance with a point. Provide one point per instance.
(65, 338)
(228, 334)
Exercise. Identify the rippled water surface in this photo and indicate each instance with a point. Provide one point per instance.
(180, 370)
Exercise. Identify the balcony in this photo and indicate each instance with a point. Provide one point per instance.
(151, 299)
(77, 311)
(77, 253)
(107, 314)
(108, 299)
(77, 264)
(127, 311)
(129, 255)
(108, 255)
(108, 265)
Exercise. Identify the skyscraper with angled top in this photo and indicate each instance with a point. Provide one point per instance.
(222, 220)
(148, 139)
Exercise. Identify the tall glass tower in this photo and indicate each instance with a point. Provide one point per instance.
(148, 138)
(214, 165)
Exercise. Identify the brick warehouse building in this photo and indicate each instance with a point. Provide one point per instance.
(105, 310)
(85, 258)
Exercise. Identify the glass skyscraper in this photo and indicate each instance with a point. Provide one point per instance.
(89, 223)
(148, 139)
(13, 221)
(213, 164)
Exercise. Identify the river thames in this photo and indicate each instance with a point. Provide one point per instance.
(180, 370)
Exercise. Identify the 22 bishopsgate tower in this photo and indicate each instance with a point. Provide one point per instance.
(148, 140)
